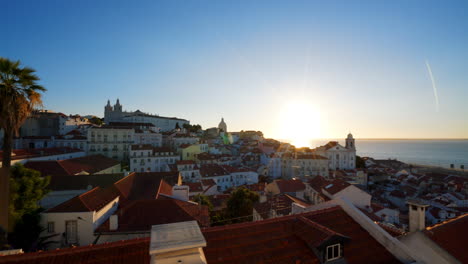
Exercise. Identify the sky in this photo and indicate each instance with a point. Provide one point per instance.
(321, 69)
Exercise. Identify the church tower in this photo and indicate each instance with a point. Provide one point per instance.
(107, 112)
(350, 142)
(222, 126)
(118, 106)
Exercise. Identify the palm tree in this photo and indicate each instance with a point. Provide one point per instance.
(19, 95)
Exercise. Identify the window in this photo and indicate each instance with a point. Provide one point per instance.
(333, 252)
(71, 229)
(50, 227)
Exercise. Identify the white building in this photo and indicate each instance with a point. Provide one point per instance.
(222, 126)
(303, 165)
(146, 158)
(188, 170)
(227, 177)
(148, 137)
(339, 157)
(116, 114)
(112, 142)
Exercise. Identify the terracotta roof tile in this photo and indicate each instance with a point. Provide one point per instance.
(336, 186)
(451, 235)
(33, 153)
(88, 164)
(280, 240)
(125, 251)
(135, 186)
(290, 185)
(194, 186)
(140, 215)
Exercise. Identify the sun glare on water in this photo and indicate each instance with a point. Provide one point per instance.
(299, 123)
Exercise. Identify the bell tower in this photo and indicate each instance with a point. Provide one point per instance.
(350, 142)
(107, 112)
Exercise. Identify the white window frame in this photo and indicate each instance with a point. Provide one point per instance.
(332, 247)
(50, 227)
(71, 231)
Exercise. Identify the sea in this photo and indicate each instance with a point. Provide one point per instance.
(433, 152)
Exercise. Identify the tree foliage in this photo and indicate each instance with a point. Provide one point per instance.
(192, 128)
(96, 121)
(20, 93)
(27, 189)
(203, 200)
(240, 205)
(360, 163)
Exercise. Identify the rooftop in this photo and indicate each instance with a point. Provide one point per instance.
(451, 235)
(86, 164)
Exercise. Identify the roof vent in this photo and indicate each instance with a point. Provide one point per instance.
(180, 242)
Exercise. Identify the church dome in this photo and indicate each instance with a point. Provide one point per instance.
(222, 126)
(350, 135)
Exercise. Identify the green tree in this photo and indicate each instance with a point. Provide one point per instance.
(27, 189)
(27, 231)
(19, 95)
(96, 120)
(203, 200)
(192, 128)
(240, 205)
(360, 163)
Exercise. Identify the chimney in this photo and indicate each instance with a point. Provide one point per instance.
(180, 192)
(180, 242)
(417, 215)
(113, 222)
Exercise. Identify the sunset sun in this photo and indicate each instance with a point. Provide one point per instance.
(299, 123)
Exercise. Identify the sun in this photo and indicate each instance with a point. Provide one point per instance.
(299, 123)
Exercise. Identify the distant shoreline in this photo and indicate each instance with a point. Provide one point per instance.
(439, 169)
(454, 139)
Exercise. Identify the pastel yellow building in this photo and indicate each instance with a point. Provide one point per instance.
(189, 152)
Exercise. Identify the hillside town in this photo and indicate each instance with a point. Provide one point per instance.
(135, 187)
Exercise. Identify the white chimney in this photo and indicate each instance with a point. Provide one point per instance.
(113, 222)
(180, 192)
(417, 215)
(180, 242)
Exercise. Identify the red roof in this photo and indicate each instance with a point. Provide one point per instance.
(142, 214)
(89, 164)
(194, 186)
(290, 239)
(280, 203)
(18, 154)
(124, 251)
(212, 170)
(208, 182)
(336, 186)
(135, 186)
(451, 235)
(331, 144)
(286, 186)
(92, 200)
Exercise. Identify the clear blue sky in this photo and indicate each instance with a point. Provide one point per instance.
(360, 66)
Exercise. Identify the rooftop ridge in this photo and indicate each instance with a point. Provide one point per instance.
(271, 220)
(320, 227)
(448, 221)
(62, 251)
